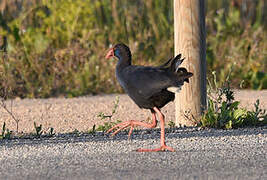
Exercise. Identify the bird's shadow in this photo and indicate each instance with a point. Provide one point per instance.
(139, 134)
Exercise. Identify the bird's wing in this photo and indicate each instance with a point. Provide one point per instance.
(146, 81)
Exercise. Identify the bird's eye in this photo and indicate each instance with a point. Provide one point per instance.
(117, 52)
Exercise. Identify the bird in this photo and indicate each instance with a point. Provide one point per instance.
(150, 87)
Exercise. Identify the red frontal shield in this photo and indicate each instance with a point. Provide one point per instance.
(110, 53)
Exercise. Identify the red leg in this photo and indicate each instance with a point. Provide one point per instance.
(163, 146)
(133, 123)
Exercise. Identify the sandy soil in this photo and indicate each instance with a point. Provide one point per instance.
(66, 115)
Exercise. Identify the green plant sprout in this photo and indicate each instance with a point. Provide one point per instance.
(38, 130)
(6, 134)
(103, 116)
(171, 124)
(51, 132)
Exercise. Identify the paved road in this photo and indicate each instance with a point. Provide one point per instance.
(200, 154)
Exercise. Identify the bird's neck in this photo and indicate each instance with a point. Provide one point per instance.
(123, 62)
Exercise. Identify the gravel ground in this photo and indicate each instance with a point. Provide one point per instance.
(66, 115)
(200, 154)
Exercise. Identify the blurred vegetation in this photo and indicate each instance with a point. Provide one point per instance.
(52, 48)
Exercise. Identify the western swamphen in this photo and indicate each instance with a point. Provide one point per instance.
(149, 87)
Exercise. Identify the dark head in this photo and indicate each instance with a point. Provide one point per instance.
(121, 51)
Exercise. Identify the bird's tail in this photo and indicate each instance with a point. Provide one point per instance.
(173, 66)
(181, 72)
(182, 76)
(175, 62)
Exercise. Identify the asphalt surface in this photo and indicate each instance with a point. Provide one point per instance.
(200, 154)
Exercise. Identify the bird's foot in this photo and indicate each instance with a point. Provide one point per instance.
(161, 148)
(122, 126)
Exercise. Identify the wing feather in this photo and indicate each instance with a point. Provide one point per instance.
(146, 81)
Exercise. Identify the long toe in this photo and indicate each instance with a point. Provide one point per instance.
(132, 123)
(120, 127)
(160, 149)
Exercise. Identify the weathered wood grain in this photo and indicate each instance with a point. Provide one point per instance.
(189, 34)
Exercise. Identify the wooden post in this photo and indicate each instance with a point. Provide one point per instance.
(190, 41)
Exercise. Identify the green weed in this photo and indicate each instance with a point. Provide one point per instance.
(75, 132)
(171, 124)
(51, 132)
(93, 130)
(224, 112)
(38, 130)
(6, 133)
(103, 116)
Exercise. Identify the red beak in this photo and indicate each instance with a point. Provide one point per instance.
(110, 53)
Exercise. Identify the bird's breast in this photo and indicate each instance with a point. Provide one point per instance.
(121, 80)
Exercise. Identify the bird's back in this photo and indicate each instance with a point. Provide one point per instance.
(147, 85)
